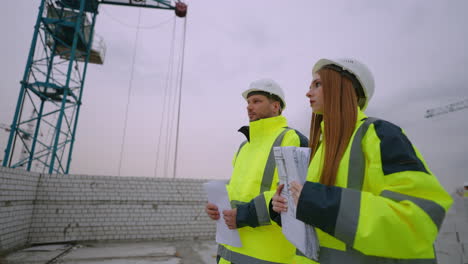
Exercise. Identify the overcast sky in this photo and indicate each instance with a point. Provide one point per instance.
(416, 50)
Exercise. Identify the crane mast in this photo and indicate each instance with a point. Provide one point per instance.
(62, 46)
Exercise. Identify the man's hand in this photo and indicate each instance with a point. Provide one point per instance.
(280, 204)
(230, 218)
(212, 211)
(295, 190)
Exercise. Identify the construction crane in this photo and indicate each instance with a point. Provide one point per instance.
(446, 109)
(7, 129)
(25, 137)
(62, 45)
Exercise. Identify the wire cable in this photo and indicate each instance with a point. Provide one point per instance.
(172, 116)
(166, 88)
(180, 98)
(160, 24)
(129, 94)
(168, 119)
(170, 122)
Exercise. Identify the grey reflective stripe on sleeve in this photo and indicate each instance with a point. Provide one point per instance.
(239, 258)
(351, 256)
(262, 211)
(357, 162)
(235, 203)
(348, 216)
(270, 164)
(433, 209)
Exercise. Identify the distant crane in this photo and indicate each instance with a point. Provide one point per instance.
(62, 45)
(446, 109)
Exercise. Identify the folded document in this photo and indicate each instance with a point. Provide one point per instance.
(292, 164)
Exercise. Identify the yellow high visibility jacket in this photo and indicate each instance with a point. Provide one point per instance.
(253, 182)
(386, 205)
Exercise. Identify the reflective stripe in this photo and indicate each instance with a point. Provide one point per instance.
(348, 216)
(260, 204)
(240, 147)
(235, 203)
(237, 154)
(351, 256)
(433, 209)
(238, 258)
(270, 164)
(357, 161)
(262, 211)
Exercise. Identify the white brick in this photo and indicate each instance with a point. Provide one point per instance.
(449, 253)
(463, 236)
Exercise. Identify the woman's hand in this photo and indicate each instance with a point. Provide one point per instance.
(295, 191)
(280, 204)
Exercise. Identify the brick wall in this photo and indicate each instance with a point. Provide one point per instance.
(17, 195)
(83, 207)
(80, 207)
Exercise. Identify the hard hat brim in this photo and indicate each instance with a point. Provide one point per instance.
(245, 94)
(323, 62)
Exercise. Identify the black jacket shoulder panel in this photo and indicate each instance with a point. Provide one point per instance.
(396, 150)
(304, 141)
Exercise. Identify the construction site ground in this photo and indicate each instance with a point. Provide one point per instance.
(153, 252)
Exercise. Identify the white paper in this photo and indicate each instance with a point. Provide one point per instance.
(217, 194)
(292, 164)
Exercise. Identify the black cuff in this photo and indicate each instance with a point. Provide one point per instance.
(246, 215)
(318, 206)
(274, 215)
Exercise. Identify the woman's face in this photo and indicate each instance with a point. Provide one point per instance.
(315, 94)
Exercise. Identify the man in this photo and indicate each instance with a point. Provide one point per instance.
(254, 180)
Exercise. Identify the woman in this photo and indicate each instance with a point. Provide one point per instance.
(369, 193)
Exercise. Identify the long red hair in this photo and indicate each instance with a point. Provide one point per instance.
(339, 117)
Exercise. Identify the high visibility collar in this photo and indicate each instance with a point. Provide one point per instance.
(263, 127)
(360, 117)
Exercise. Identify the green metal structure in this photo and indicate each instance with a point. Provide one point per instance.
(43, 129)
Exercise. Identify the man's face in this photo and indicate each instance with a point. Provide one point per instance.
(259, 107)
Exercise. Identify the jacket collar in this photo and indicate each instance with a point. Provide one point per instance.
(263, 127)
(361, 116)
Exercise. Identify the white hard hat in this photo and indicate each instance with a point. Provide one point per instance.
(359, 70)
(268, 86)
